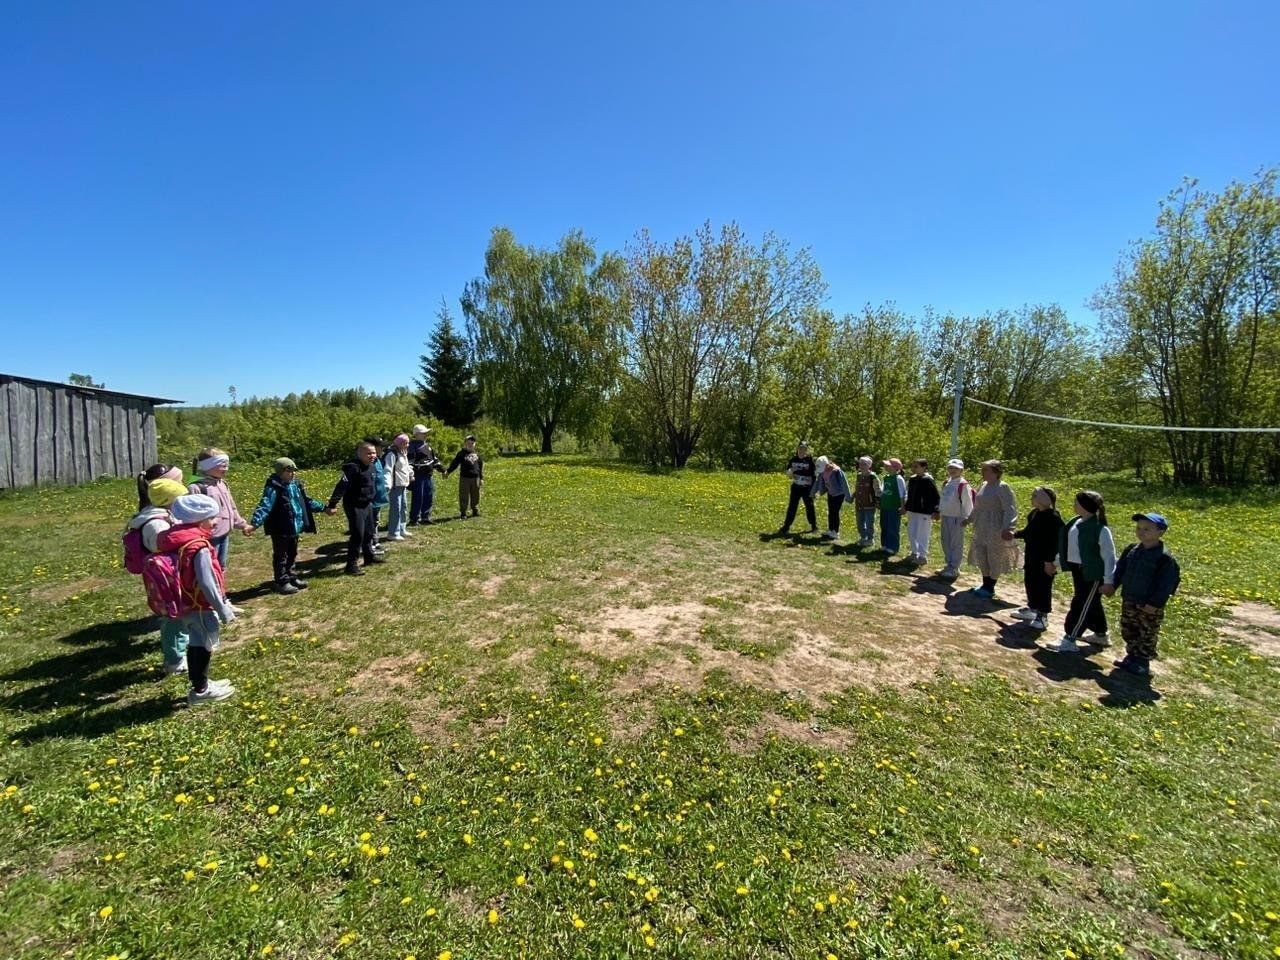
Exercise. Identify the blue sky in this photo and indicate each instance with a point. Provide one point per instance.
(277, 195)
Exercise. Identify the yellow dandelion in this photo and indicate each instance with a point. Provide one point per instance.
(493, 917)
(106, 912)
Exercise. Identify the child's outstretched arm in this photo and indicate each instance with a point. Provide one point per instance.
(209, 587)
(264, 506)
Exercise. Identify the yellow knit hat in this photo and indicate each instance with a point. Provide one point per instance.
(163, 492)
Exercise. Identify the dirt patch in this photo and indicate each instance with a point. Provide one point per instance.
(1256, 625)
(492, 585)
(773, 726)
(58, 592)
(387, 674)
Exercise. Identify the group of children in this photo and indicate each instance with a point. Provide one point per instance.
(178, 539)
(1145, 573)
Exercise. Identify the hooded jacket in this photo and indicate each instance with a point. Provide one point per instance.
(151, 521)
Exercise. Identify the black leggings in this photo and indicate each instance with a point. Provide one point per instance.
(799, 493)
(361, 536)
(198, 667)
(1039, 586)
(833, 513)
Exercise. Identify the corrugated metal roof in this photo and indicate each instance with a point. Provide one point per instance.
(7, 377)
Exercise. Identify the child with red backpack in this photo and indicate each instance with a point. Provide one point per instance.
(186, 581)
(140, 535)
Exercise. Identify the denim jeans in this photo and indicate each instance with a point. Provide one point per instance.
(219, 545)
(867, 524)
(398, 516)
(891, 531)
(424, 495)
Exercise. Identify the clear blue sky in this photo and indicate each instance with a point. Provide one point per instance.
(277, 195)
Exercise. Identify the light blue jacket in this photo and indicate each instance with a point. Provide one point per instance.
(833, 484)
(380, 496)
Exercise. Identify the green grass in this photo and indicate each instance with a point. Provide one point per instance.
(611, 718)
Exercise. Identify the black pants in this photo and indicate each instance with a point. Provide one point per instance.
(360, 537)
(284, 553)
(799, 493)
(833, 513)
(198, 667)
(1095, 618)
(1039, 586)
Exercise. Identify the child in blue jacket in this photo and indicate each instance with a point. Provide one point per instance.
(286, 512)
(1146, 575)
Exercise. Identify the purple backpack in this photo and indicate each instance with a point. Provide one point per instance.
(135, 554)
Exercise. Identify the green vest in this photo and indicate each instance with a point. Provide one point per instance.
(890, 499)
(1087, 540)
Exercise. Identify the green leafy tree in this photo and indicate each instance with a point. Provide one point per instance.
(84, 380)
(447, 389)
(547, 329)
(1198, 304)
(707, 316)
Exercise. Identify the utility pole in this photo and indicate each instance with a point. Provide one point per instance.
(955, 407)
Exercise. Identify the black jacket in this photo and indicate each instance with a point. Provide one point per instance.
(922, 495)
(357, 487)
(469, 462)
(1041, 537)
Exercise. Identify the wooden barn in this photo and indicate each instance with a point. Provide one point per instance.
(60, 433)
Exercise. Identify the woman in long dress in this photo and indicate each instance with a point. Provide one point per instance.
(994, 516)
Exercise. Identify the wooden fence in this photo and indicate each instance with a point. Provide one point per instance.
(57, 433)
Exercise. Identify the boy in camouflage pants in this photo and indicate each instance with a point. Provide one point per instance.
(1147, 575)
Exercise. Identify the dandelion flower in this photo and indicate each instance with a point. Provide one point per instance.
(106, 912)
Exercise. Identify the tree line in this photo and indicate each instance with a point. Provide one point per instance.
(716, 349)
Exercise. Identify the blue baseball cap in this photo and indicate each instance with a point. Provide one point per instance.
(1156, 518)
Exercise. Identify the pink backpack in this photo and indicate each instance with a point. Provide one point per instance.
(135, 554)
(164, 584)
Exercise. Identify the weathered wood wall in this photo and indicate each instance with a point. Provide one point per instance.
(60, 434)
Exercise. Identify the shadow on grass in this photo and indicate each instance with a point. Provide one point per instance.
(96, 721)
(82, 690)
(1018, 636)
(1120, 689)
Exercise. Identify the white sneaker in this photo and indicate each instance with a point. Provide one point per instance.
(1099, 640)
(1065, 645)
(1026, 613)
(396, 539)
(828, 535)
(211, 694)
(171, 668)
(405, 534)
(1038, 624)
(226, 685)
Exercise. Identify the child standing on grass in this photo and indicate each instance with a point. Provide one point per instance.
(1085, 547)
(356, 490)
(866, 500)
(832, 482)
(955, 505)
(1147, 575)
(399, 476)
(425, 463)
(921, 509)
(211, 466)
(995, 513)
(381, 495)
(286, 512)
(802, 470)
(470, 467)
(1040, 549)
(893, 495)
(151, 520)
(203, 604)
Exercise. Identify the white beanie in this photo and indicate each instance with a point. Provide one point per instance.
(193, 508)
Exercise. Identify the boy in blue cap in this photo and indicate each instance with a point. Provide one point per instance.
(1147, 575)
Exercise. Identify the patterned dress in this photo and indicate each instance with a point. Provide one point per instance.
(994, 510)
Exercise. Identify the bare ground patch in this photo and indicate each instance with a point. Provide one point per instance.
(1256, 625)
(773, 726)
(58, 592)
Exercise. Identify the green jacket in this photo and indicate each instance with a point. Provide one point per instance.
(1090, 553)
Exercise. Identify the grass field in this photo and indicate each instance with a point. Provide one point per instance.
(616, 717)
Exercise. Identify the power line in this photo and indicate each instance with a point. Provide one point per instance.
(1124, 426)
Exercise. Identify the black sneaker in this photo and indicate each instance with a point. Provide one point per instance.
(427, 523)
(286, 587)
(376, 558)
(1138, 668)
(462, 516)
(353, 571)
(475, 513)
(298, 582)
